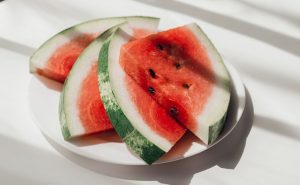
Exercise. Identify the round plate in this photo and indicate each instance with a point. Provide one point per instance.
(107, 147)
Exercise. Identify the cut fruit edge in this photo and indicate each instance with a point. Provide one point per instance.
(41, 56)
(120, 108)
(69, 115)
(72, 148)
(237, 107)
(210, 120)
(213, 116)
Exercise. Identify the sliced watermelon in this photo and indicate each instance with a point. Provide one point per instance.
(55, 58)
(81, 109)
(181, 69)
(140, 121)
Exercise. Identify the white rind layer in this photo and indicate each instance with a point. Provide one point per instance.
(118, 85)
(73, 85)
(218, 102)
(83, 66)
(40, 58)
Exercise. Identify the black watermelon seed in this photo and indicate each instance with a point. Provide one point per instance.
(185, 85)
(160, 47)
(152, 73)
(151, 90)
(173, 111)
(177, 65)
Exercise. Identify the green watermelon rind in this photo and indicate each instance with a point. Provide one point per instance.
(63, 120)
(64, 116)
(140, 145)
(216, 129)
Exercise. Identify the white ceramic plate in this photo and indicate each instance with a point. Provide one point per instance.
(44, 101)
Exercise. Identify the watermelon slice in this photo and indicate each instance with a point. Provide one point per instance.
(141, 122)
(181, 69)
(55, 58)
(81, 109)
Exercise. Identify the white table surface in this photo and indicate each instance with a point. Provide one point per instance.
(260, 38)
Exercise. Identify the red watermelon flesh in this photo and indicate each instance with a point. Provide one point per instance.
(174, 68)
(154, 115)
(62, 60)
(91, 109)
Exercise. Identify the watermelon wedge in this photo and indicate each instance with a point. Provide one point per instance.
(181, 69)
(141, 122)
(81, 109)
(55, 58)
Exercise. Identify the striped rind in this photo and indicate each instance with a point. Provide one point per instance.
(136, 141)
(123, 97)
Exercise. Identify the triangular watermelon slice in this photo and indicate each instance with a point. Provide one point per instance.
(141, 122)
(181, 69)
(81, 109)
(55, 58)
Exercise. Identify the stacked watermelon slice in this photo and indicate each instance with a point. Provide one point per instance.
(151, 87)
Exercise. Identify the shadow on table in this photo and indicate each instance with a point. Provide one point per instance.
(269, 77)
(62, 10)
(49, 83)
(279, 40)
(281, 14)
(225, 154)
(16, 47)
(27, 164)
(278, 127)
